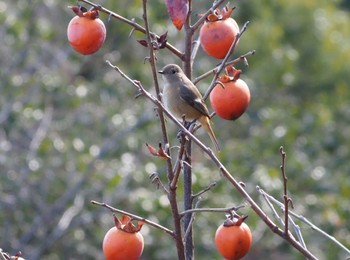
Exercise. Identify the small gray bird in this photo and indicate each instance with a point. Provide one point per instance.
(183, 98)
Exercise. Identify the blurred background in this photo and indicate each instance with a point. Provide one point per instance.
(71, 130)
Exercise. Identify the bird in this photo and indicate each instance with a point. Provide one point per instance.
(182, 98)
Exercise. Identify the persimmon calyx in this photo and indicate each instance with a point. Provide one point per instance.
(125, 224)
(234, 221)
(231, 74)
(218, 14)
(83, 12)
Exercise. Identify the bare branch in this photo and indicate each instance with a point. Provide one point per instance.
(190, 224)
(155, 179)
(227, 210)
(216, 69)
(135, 217)
(209, 187)
(178, 166)
(303, 219)
(285, 190)
(274, 212)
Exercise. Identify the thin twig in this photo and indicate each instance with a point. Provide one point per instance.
(209, 187)
(195, 48)
(297, 231)
(274, 212)
(2, 255)
(178, 164)
(216, 69)
(286, 199)
(135, 217)
(154, 177)
(227, 210)
(190, 223)
(303, 219)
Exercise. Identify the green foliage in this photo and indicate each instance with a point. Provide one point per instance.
(71, 130)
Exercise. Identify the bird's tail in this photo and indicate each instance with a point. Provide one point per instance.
(204, 120)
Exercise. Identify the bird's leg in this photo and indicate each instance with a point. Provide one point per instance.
(191, 123)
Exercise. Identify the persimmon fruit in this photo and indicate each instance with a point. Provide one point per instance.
(218, 33)
(123, 241)
(230, 98)
(233, 239)
(86, 32)
(121, 245)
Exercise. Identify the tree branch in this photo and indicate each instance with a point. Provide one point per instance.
(135, 217)
(269, 198)
(215, 70)
(227, 210)
(286, 198)
(172, 197)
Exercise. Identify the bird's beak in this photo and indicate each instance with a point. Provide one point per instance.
(160, 72)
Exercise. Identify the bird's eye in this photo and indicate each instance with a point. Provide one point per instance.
(173, 71)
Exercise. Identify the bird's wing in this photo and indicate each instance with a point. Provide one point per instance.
(190, 97)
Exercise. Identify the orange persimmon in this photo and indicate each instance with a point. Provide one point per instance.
(230, 96)
(218, 33)
(86, 32)
(233, 239)
(124, 241)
